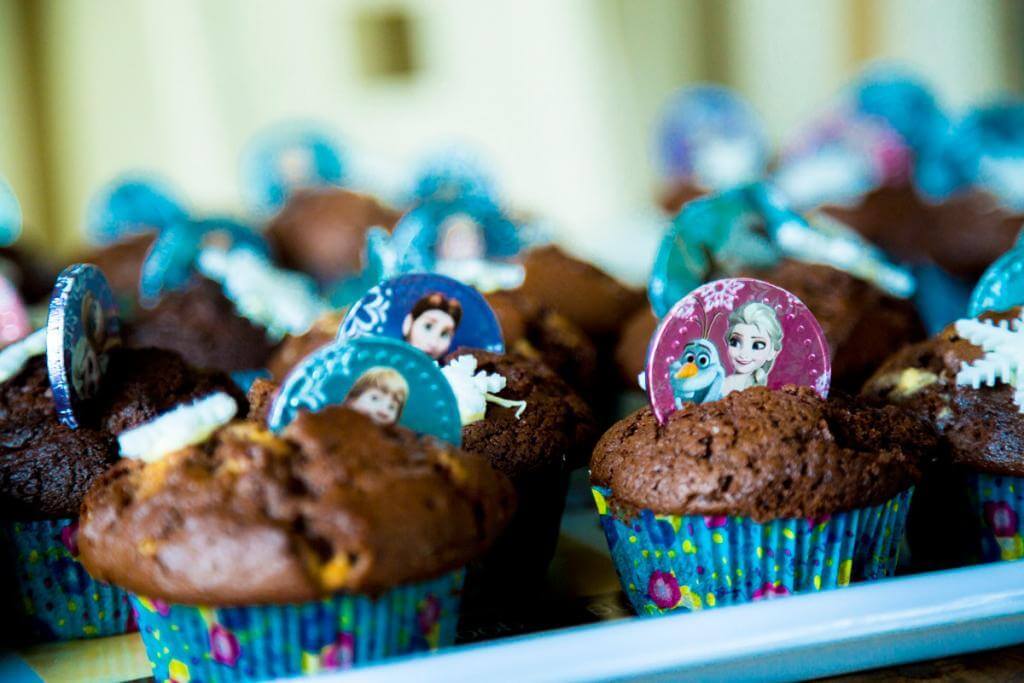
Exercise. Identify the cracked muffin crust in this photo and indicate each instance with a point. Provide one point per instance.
(762, 454)
(335, 503)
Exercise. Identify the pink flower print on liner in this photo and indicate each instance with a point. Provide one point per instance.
(663, 589)
(1002, 518)
(813, 522)
(340, 654)
(69, 537)
(429, 614)
(770, 591)
(715, 522)
(224, 647)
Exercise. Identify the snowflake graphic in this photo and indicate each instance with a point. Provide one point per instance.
(686, 307)
(369, 315)
(1003, 344)
(720, 294)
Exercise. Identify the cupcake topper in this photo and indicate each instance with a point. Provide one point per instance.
(729, 335)
(467, 228)
(14, 321)
(131, 204)
(288, 157)
(434, 313)
(990, 151)
(715, 236)
(173, 257)
(82, 326)
(710, 136)
(1002, 284)
(10, 215)
(453, 174)
(387, 380)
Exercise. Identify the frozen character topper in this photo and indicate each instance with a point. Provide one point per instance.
(438, 233)
(988, 151)
(10, 215)
(717, 236)
(432, 313)
(387, 380)
(14, 320)
(131, 204)
(453, 173)
(288, 157)
(711, 137)
(82, 326)
(1001, 285)
(730, 335)
(173, 258)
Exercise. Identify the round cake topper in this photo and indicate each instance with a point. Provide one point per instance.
(469, 228)
(82, 326)
(1001, 286)
(717, 236)
(901, 99)
(990, 141)
(288, 157)
(14, 320)
(10, 215)
(171, 260)
(385, 379)
(733, 334)
(453, 174)
(433, 313)
(131, 204)
(710, 135)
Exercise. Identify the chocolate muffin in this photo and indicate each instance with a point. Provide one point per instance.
(121, 262)
(203, 325)
(31, 273)
(631, 351)
(539, 333)
(894, 217)
(322, 232)
(395, 507)
(294, 348)
(968, 231)
(536, 451)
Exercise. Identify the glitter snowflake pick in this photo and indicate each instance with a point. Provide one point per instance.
(1003, 344)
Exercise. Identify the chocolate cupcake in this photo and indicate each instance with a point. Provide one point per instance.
(46, 467)
(540, 333)
(894, 217)
(542, 432)
(968, 231)
(760, 494)
(295, 347)
(121, 262)
(331, 544)
(971, 502)
(322, 232)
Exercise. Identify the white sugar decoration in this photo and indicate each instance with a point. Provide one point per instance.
(281, 301)
(474, 390)
(487, 276)
(183, 426)
(1003, 344)
(14, 356)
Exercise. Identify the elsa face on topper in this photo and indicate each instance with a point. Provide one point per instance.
(754, 340)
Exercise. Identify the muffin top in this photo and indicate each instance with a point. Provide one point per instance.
(322, 231)
(121, 262)
(762, 454)
(335, 503)
(596, 302)
(982, 427)
(892, 216)
(556, 429)
(539, 333)
(295, 347)
(46, 467)
(969, 231)
(203, 325)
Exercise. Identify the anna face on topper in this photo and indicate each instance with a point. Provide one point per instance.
(431, 324)
(380, 393)
(754, 340)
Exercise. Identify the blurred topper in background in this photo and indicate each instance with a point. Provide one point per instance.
(10, 215)
(130, 204)
(451, 173)
(287, 157)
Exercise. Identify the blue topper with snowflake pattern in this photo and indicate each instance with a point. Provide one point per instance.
(10, 215)
(81, 327)
(131, 204)
(387, 380)
(288, 157)
(1002, 285)
(171, 260)
(434, 313)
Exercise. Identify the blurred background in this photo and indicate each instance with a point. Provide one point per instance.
(558, 97)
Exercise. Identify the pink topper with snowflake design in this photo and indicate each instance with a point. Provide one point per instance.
(14, 322)
(730, 335)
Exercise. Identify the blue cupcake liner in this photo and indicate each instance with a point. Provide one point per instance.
(54, 596)
(690, 562)
(209, 644)
(998, 503)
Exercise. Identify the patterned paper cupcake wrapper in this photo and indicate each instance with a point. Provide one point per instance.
(671, 562)
(54, 595)
(998, 503)
(188, 643)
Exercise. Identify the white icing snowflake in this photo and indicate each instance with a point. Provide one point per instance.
(1003, 344)
(183, 426)
(720, 294)
(14, 357)
(474, 390)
